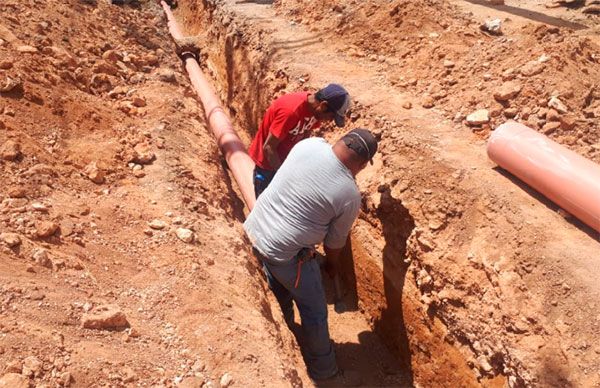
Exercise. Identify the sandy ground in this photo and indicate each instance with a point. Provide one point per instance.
(461, 274)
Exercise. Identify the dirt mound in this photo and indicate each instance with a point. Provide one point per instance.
(430, 48)
(121, 254)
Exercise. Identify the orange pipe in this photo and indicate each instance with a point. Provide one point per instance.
(565, 177)
(232, 147)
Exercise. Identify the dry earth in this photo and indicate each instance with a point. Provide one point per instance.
(123, 261)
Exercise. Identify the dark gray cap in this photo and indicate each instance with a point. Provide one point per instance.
(362, 142)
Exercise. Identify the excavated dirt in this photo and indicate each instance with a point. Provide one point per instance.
(457, 273)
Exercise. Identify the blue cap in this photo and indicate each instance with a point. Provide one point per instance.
(338, 101)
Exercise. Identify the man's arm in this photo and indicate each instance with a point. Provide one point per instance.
(270, 151)
(337, 235)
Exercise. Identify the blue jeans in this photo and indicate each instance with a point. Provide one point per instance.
(261, 179)
(310, 300)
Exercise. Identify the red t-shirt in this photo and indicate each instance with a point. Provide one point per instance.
(289, 120)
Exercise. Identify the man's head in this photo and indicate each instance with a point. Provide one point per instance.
(356, 148)
(331, 103)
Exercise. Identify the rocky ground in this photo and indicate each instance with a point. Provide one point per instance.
(122, 258)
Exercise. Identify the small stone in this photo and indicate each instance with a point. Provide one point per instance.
(37, 295)
(10, 150)
(428, 102)
(27, 49)
(507, 91)
(407, 105)
(94, 173)
(143, 154)
(32, 367)
(532, 68)
(558, 105)
(10, 84)
(15, 366)
(552, 115)
(157, 224)
(494, 26)
(6, 64)
(65, 379)
(479, 117)
(226, 380)
(11, 239)
(185, 235)
(167, 75)
(139, 173)
(448, 64)
(139, 102)
(39, 207)
(14, 380)
(511, 112)
(106, 317)
(46, 228)
(41, 257)
(550, 127)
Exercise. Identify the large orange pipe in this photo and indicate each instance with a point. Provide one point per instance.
(232, 147)
(565, 177)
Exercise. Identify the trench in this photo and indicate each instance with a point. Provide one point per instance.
(379, 282)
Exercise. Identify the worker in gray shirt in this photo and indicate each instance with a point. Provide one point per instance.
(313, 199)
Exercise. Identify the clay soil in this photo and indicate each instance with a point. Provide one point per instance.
(457, 273)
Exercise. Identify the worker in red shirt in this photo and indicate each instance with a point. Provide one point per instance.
(289, 119)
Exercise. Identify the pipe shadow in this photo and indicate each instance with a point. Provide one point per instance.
(548, 203)
(531, 15)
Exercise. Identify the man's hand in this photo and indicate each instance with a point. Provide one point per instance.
(270, 150)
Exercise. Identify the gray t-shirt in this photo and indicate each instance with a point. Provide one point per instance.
(312, 199)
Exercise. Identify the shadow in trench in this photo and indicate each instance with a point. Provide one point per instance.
(532, 15)
(397, 225)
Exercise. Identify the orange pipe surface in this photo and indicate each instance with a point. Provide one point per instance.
(565, 177)
(232, 147)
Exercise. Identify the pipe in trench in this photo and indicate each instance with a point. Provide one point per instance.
(563, 176)
(230, 144)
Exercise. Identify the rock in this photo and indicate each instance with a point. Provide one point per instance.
(65, 379)
(167, 75)
(10, 84)
(448, 64)
(94, 173)
(14, 380)
(511, 112)
(106, 317)
(157, 224)
(139, 102)
(40, 169)
(139, 173)
(143, 154)
(37, 295)
(558, 105)
(407, 105)
(479, 117)
(41, 257)
(550, 127)
(46, 228)
(552, 115)
(6, 64)
(32, 367)
(10, 150)
(27, 49)
(494, 26)
(567, 122)
(185, 235)
(112, 56)
(507, 91)
(532, 68)
(428, 102)
(11, 239)
(226, 380)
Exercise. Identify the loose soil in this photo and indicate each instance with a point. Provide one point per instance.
(457, 273)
